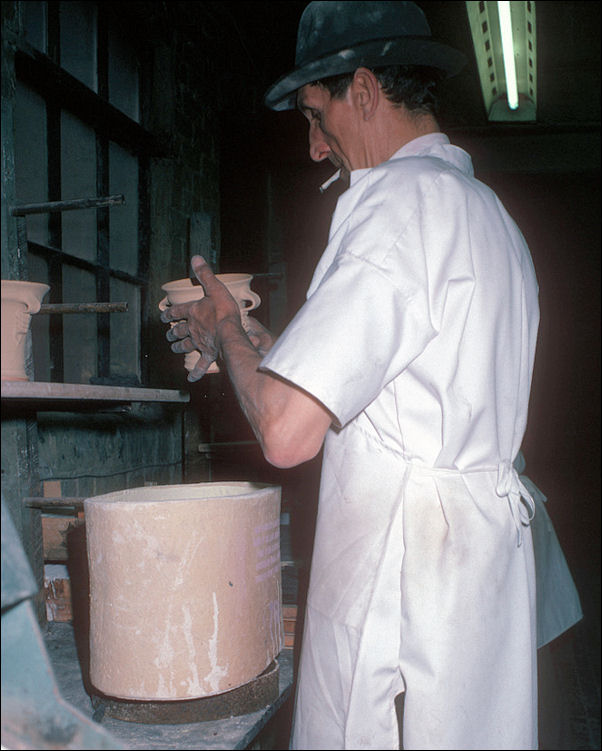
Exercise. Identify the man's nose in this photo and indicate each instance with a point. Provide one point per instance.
(318, 148)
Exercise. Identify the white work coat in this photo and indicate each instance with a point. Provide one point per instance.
(558, 603)
(418, 334)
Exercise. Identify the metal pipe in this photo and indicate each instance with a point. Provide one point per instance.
(54, 503)
(84, 307)
(76, 203)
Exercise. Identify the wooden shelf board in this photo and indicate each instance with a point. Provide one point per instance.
(39, 390)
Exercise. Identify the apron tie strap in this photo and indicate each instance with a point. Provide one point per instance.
(520, 500)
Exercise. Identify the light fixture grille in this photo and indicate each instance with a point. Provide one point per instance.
(486, 35)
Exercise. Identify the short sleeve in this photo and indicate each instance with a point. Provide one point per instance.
(361, 326)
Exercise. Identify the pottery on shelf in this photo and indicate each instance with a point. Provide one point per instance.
(20, 300)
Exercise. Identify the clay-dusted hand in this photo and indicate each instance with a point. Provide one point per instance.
(197, 323)
(261, 338)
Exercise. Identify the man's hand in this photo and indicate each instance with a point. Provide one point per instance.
(197, 323)
(260, 337)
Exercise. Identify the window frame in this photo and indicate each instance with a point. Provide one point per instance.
(61, 91)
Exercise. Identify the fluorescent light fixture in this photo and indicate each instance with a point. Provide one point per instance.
(504, 38)
(503, 9)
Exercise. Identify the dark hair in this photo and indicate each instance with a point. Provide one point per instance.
(410, 85)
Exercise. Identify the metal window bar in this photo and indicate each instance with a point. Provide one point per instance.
(55, 226)
(103, 282)
(62, 256)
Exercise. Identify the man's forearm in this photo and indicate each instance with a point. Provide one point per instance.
(289, 423)
(242, 361)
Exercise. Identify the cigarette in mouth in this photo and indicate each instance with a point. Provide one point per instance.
(330, 181)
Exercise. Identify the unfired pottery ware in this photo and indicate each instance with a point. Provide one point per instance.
(19, 301)
(183, 290)
(185, 588)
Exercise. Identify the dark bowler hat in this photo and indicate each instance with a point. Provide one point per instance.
(338, 37)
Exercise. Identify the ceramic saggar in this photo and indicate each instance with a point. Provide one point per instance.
(19, 301)
(183, 290)
(185, 588)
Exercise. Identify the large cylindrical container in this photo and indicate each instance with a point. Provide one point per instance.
(185, 588)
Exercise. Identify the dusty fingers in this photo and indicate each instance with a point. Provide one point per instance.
(261, 338)
(201, 367)
(192, 328)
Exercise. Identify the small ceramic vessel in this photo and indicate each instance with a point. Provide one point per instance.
(183, 290)
(20, 300)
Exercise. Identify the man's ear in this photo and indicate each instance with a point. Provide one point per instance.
(366, 91)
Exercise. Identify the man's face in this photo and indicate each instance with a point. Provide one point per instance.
(333, 131)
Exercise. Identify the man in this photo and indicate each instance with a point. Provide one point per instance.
(411, 362)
